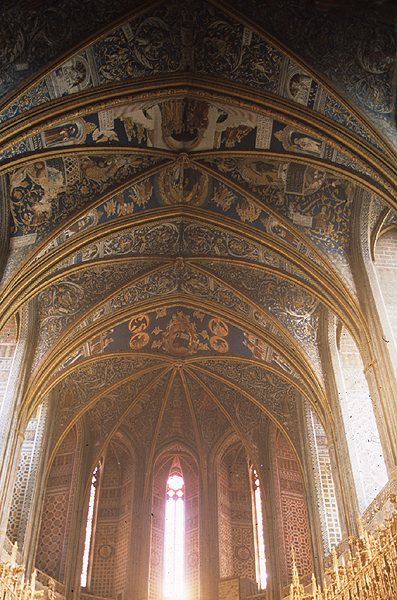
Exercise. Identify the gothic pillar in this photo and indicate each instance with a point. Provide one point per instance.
(10, 436)
(270, 511)
(140, 536)
(209, 534)
(313, 493)
(378, 352)
(338, 448)
(73, 548)
(4, 224)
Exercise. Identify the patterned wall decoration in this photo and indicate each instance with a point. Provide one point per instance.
(20, 485)
(55, 510)
(84, 383)
(45, 192)
(49, 554)
(224, 521)
(157, 538)
(276, 394)
(34, 32)
(211, 421)
(293, 511)
(206, 42)
(62, 303)
(317, 202)
(104, 563)
(293, 306)
(111, 541)
(356, 53)
(327, 483)
(236, 544)
(28, 468)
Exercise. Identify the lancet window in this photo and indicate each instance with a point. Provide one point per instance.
(174, 536)
(88, 529)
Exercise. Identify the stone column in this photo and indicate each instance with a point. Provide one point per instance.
(74, 543)
(335, 431)
(378, 351)
(10, 436)
(140, 535)
(313, 492)
(209, 535)
(270, 511)
(4, 224)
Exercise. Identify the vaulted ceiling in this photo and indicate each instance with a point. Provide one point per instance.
(181, 182)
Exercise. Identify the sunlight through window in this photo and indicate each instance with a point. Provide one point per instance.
(261, 577)
(88, 529)
(174, 584)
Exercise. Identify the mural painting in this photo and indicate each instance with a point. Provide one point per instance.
(152, 45)
(44, 192)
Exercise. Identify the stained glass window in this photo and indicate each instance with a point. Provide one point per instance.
(259, 534)
(174, 550)
(88, 529)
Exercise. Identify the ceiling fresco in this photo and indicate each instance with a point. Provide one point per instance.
(357, 53)
(63, 302)
(178, 331)
(31, 36)
(196, 408)
(187, 123)
(181, 189)
(45, 192)
(206, 41)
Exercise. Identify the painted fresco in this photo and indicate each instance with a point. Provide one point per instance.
(356, 53)
(182, 184)
(176, 332)
(293, 306)
(143, 410)
(185, 123)
(45, 192)
(65, 301)
(179, 237)
(315, 201)
(275, 393)
(205, 41)
(83, 384)
(33, 32)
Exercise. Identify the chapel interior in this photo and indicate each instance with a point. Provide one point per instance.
(198, 299)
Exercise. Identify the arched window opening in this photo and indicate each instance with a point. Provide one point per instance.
(88, 529)
(261, 576)
(366, 454)
(174, 547)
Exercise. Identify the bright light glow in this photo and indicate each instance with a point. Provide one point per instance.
(262, 579)
(174, 559)
(88, 529)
